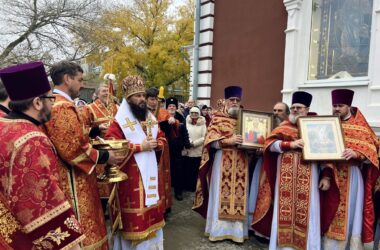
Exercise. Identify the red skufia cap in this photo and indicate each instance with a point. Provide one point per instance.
(25, 81)
(342, 96)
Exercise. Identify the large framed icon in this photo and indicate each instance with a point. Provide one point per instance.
(254, 127)
(322, 136)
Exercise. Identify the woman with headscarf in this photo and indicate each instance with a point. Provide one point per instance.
(196, 126)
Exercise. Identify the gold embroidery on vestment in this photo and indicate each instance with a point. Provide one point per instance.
(56, 236)
(8, 224)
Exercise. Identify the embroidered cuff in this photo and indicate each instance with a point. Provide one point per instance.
(135, 147)
(285, 145)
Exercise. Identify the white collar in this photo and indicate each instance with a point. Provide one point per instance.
(60, 92)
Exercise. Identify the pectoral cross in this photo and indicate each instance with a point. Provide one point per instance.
(149, 124)
(129, 124)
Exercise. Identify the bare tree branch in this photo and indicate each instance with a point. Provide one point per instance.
(40, 24)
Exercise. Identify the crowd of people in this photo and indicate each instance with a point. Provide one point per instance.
(54, 192)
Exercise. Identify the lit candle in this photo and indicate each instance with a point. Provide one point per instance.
(161, 93)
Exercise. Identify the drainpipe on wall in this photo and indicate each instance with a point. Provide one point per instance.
(196, 48)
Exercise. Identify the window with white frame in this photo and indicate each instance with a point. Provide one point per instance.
(340, 39)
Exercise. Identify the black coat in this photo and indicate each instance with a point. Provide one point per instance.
(177, 138)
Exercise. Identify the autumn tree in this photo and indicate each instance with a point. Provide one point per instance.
(46, 29)
(146, 38)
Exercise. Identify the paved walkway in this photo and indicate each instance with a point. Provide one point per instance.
(184, 230)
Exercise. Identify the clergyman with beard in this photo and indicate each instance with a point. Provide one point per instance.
(140, 197)
(29, 159)
(294, 185)
(178, 138)
(222, 189)
(99, 113)
(281, 113)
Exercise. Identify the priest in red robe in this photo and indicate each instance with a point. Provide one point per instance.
(222, 189)
(287, 206)
(29, 167)
(138, 201)
(353, 222)
(69, 134)
(98, 116)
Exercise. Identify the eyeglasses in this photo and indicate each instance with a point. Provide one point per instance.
(50, 97)
(297, 107)
(278, 110)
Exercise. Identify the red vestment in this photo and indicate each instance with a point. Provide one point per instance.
(294, 191)
(137, 222)
(95, 114)
(68, 133)
(29, 175)
(164, 164)
(234, 172)
(358, 136)
(11, 235)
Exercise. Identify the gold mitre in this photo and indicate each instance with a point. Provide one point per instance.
(133, 85)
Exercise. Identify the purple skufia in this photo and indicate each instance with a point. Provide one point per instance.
(302, 97)
(233, 91)
(24, 81)
(342, 96)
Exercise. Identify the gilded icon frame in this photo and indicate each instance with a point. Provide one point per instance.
(323, 138)
(254, 127)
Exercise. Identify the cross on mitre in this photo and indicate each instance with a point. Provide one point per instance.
(129, 124)
(149, 124)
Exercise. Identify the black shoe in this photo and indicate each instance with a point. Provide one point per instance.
(178, 197)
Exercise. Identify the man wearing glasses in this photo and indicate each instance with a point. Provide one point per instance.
(66, 130)
(294, 218)
(29, 167)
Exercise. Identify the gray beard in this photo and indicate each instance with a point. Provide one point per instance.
(233, 112)
(277, 120)
(293, 118)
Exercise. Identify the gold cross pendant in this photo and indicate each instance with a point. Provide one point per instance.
(129, 124)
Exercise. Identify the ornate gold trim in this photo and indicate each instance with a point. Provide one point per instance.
(4, 120)
(20, 141)
(142, 210)
(61, 102)
(8, 224)
(74, 243)
(96, 245)
(47, 217)
(355, 141)
(144, 234)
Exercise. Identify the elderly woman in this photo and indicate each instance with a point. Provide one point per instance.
(196, 126)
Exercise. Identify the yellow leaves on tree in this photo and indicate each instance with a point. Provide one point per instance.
(146, 38)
